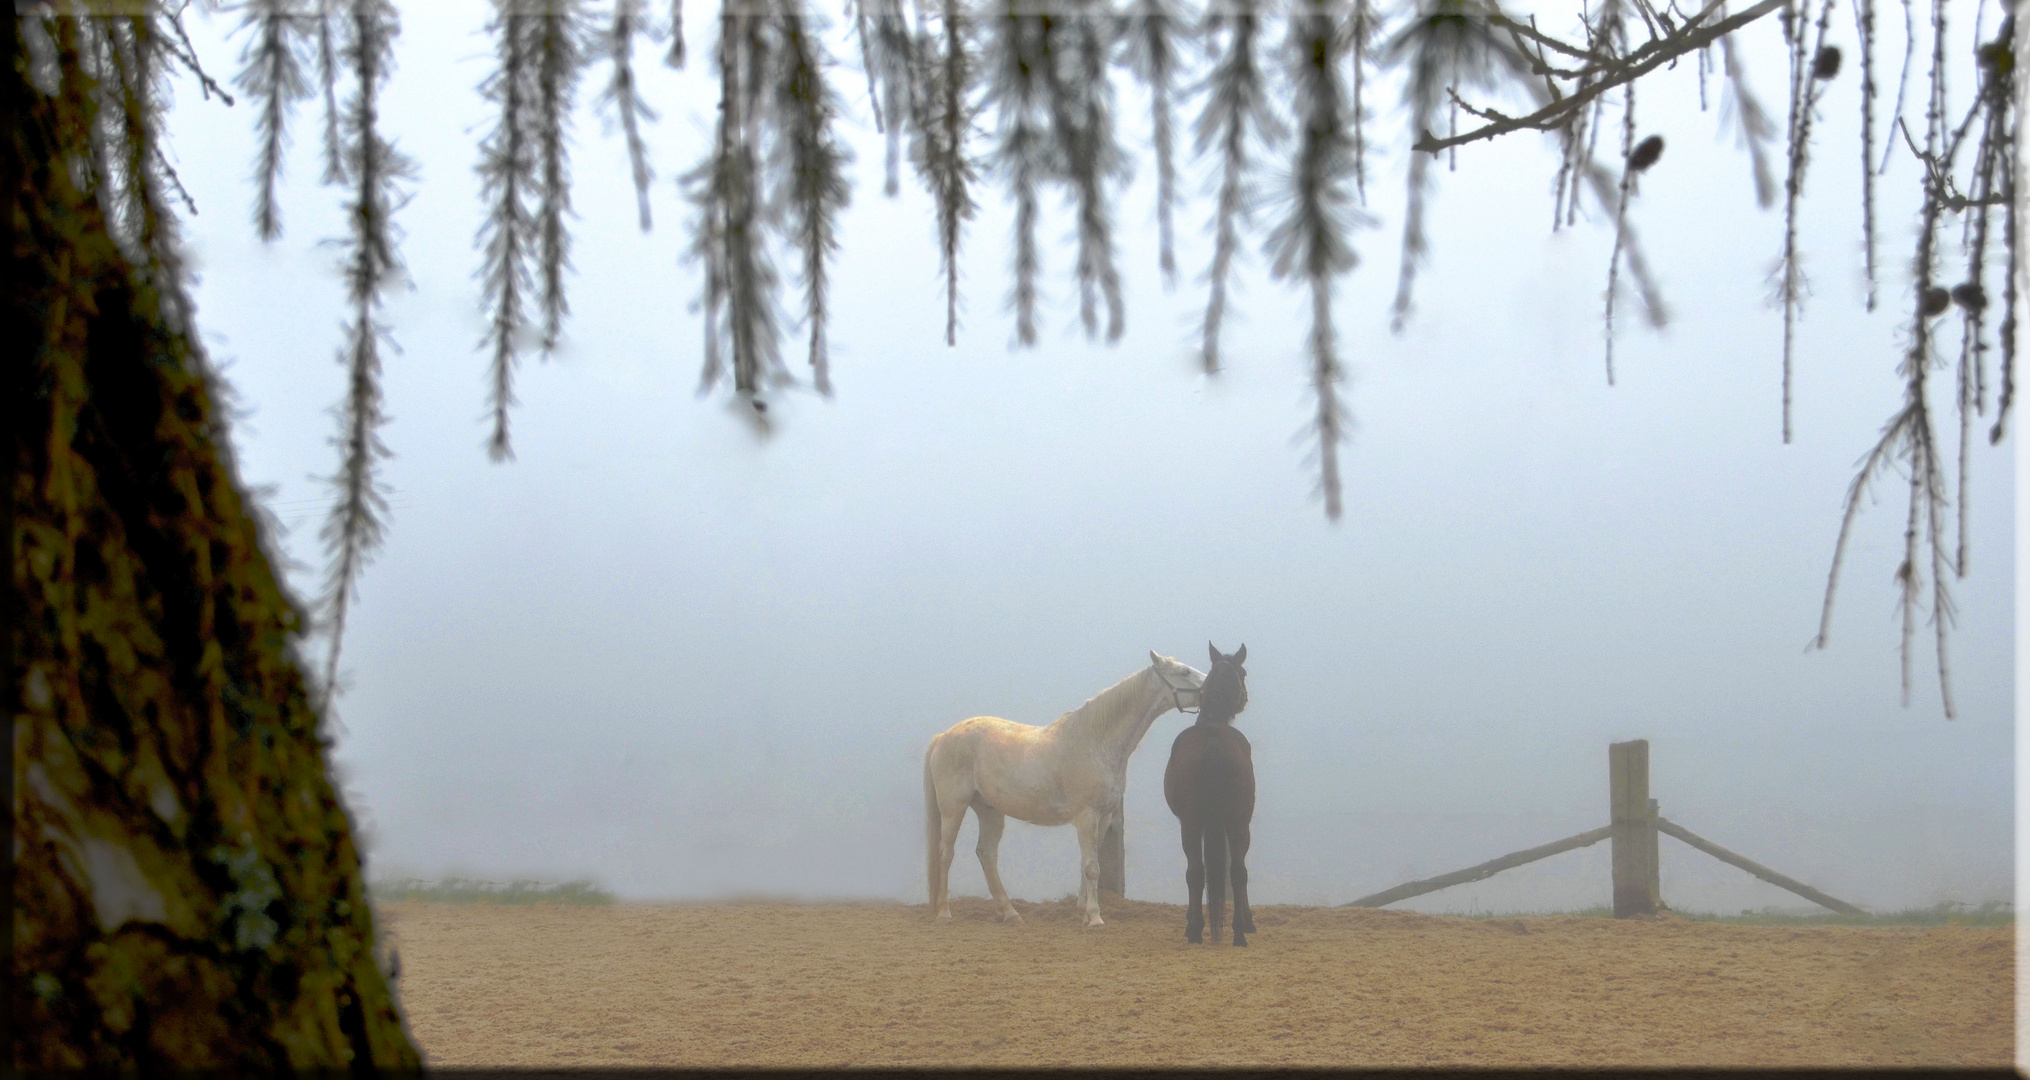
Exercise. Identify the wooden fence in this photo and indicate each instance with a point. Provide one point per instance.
(1633, 827)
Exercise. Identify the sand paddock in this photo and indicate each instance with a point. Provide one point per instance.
(771, 983)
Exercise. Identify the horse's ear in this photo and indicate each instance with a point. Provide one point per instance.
(1241, 657)
(1154, 660)
(1214, 650)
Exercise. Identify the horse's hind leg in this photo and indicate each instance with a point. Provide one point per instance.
(1194, 881)
(1237, 841)
(1215, 877)
(948, 839)
(992, 822)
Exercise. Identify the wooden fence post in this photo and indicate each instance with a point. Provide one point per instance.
(1655, 863)
(1634, 824)
(1114, 855)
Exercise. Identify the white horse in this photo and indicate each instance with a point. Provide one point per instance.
(1071, 771)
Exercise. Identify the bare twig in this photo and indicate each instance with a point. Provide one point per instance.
(1690, 38)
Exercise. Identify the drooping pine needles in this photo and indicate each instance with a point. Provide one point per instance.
(1025, 90)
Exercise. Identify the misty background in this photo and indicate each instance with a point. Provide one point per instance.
(662, 652)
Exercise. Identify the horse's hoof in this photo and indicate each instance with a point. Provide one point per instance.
(944, 916)
(1012, 918)
(1240, 942)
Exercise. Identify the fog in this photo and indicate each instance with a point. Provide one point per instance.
(664, 653)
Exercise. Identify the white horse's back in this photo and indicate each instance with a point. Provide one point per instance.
(1015, 767)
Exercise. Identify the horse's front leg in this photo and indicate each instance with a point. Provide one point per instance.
(1088, 823)
(992, 822)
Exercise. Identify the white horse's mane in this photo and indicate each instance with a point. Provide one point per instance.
(1107, 709)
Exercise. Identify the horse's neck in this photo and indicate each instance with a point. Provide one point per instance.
(1113, 722)
(1222, 719)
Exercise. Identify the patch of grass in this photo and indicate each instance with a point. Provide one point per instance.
(580, 893)
(1992, 913)
(1950, 913)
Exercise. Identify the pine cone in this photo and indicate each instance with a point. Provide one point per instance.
(1645, 153)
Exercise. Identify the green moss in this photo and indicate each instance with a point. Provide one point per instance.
(175, 879)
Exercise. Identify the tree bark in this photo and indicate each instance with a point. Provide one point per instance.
(1114, 853)
(187, 892)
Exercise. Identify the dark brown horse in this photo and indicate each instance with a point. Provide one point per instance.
(1210, 786)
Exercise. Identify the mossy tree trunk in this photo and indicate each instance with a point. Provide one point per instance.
(187, 893)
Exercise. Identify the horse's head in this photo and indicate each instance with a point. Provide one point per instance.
(1183, 680)
(1225, 690)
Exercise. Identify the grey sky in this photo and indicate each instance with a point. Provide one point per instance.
(660, 652)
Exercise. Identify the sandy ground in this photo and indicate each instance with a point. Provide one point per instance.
(770, 983)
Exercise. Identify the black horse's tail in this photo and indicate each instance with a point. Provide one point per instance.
(1215, 877)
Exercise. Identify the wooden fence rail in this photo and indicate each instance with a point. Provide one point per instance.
(1487, 869)
(1634, 827)
(1688, 836)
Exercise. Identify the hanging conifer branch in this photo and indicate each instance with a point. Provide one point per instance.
(1151, 56)
(97, 80)
(775, 173)
(1757, 129)
(1447, 44)
(1813, 64)
(2011, 229)
(1094, 162)
(1694, 34)
(1314, 239)
(1575, 148)
(1864, 27)
(1361, 29)
(272, 75)
(1902, 80)
(1078, 99)
(1630, 166)
(888, 51)
(353, 531)
(328, 14)
(1018, 56)
(133, 59)
(623, 97)
(938, 146)
(507, 239)
(741, 328)
(560, 31)
(1236, 111)
(812, 163)
(129, 96)
(1909, 434)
